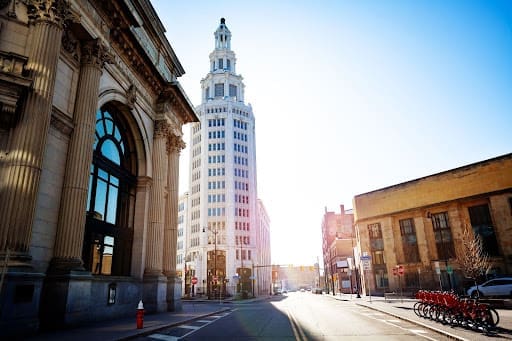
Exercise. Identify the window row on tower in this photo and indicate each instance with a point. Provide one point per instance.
(241, 185)
(244, 199)
(241, 212)
(196, 176)
(245, 240)
(242, 225)
(241, 160)
(241, 148)
(239, 136)
(241, 173)
(196, 151)
(243, 252)
(216, 134)
(196, 202)
(216, 212)
(216, 184)
(216, 159)
(220, 93)
(216, 198)
(217, 122)
(216, 146)
(216, 171)
(219, 64)
(194, 241)
(239, 124)
(196, 163)
(224, 109)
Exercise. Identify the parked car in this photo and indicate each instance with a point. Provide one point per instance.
(494, 287)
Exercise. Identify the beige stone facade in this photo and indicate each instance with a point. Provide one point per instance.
(91, 120)
(419, 225)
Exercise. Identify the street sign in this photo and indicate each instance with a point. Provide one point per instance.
(194, 280)
(366, 257)
(367, 265)
(400, 270)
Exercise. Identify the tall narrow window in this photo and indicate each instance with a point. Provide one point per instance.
(376, 243)
(482, 225)
(228, 66)
(409, 241)
(377, 252)
(443, 236)
(232, 91)
(219, 90)
(221, 63)
(111, 199)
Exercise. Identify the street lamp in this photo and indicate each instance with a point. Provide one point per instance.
(354, 254)
(241, 267)
(214, 231)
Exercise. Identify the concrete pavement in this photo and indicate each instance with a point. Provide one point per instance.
(403, 309)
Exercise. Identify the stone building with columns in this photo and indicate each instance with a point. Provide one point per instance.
(91, 117)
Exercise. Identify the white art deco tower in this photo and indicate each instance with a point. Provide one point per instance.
(222, 193)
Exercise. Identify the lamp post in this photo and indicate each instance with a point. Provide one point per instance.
(355, 267)
(215, 278)
(241, 267)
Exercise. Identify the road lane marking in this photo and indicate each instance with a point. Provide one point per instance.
(192, 329)
(163, 337)
(186, 326)
(410, 330)
(297, 330)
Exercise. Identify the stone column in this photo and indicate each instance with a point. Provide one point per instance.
(24, 163)
(155, 240)
(174, 145)
(70, 229)
(155, 283)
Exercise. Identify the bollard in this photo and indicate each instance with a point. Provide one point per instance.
(140, 315)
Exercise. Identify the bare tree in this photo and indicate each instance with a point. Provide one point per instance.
(472, 258)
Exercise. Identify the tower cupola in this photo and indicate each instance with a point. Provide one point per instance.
(222, 36)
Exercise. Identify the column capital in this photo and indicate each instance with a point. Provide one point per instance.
(162, 128)
(175, 144)
(54, 11)
(95, 53)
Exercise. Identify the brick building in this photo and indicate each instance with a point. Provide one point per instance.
(418, 224)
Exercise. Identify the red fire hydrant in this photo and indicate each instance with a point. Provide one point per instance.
(140, 315)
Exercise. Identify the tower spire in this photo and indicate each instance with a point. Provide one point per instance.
(222, 36)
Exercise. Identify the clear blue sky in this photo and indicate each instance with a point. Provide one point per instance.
(353, 96)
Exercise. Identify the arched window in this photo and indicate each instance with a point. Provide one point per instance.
(111, 198)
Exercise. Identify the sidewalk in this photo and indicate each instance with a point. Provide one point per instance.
(403, 309)
(125, 328)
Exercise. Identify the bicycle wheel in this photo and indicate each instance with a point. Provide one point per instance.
(418, 306)
(492, 317)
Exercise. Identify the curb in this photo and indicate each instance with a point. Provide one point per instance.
(170, 325)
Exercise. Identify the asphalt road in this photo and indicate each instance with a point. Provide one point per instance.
(297, 316)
